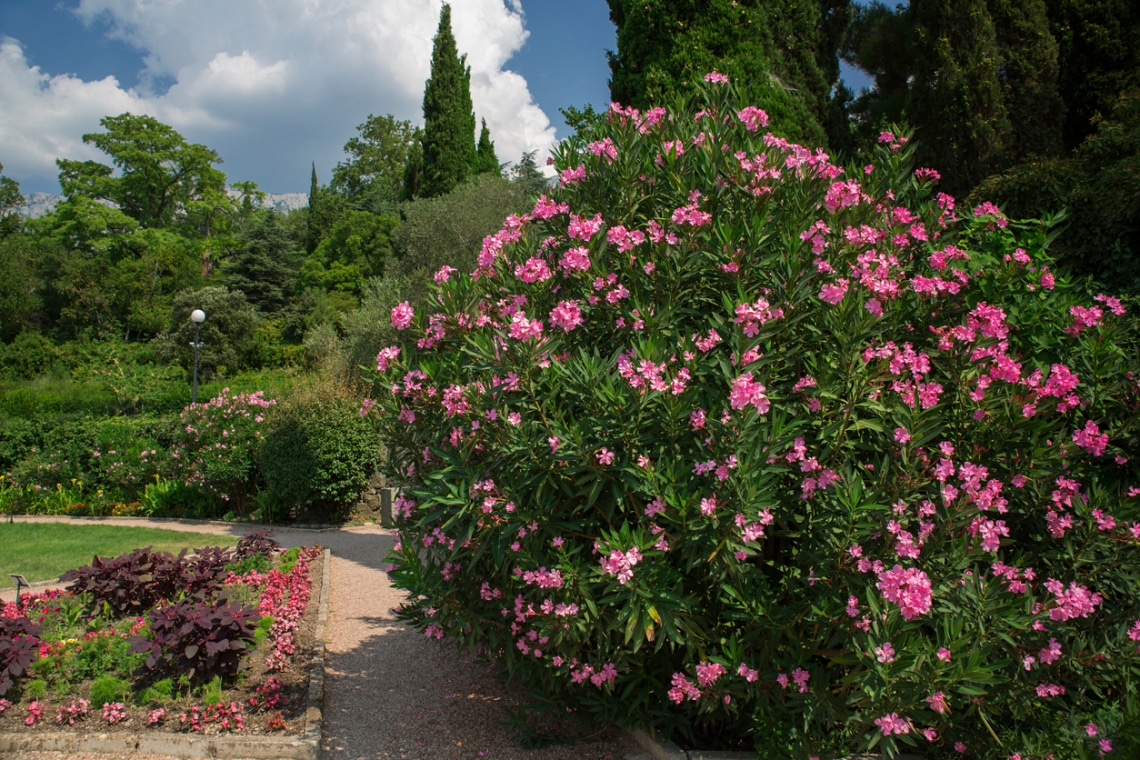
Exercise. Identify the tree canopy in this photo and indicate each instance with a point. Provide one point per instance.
(784, 50)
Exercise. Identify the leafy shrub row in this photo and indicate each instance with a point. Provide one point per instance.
(315, 452)
(729, 440)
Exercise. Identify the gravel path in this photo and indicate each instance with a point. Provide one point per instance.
(389, 692)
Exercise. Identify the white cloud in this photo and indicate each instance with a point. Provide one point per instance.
(270, 84)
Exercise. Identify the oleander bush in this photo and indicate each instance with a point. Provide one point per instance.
(728, 440)
(217, 443)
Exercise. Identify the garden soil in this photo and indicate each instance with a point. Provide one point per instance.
(389, 692)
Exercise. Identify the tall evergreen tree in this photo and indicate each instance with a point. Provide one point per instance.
(449, 118)
(785, 51)
(486, 162)
(978, 79)
(324, 209)
(1099, 59)
(956, 94)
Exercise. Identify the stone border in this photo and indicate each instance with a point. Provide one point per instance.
(305, 747)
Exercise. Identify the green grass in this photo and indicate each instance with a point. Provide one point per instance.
(44, 551)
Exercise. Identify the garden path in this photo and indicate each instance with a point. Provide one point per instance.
(389, 692)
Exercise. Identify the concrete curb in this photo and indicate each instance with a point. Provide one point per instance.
(305, 747)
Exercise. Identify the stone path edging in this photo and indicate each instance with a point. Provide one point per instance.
(224, 747)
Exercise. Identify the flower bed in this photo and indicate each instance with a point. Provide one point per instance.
(217, 648)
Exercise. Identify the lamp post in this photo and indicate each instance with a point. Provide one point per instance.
(197, 317)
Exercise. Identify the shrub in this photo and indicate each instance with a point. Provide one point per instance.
(728, 440)
(28, 356)
(216, 445)
(197, 638)
(321, 451)
(19, 648)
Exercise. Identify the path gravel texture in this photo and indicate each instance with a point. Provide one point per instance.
(389, 692)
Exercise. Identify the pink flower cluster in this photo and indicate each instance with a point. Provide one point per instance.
(621, 564)
(286, 597)
(909, 588)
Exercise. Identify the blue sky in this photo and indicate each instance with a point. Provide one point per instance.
(273, 86)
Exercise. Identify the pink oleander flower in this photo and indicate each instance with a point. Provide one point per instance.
(747, 673)
(908, 588)
(709, 672)
(715, 77)
(753, 118)
(566, 315)
(893, 724)
(1091, 439)
(937, 702)
(747, 392)
(402, 315)
(834, 293)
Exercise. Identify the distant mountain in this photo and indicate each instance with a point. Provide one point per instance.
(38, 204)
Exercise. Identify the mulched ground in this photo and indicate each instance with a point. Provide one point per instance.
(294, 692)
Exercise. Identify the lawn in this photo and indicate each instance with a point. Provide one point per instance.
(43, 551)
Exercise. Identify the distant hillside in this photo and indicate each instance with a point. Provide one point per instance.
(38, 204)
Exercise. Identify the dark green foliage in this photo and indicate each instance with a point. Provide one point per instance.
(20, 300)
(265, 265)
(773, 47)
(449, 117)
(324, 209)
(160, 177)
(10, 199)
(413, 174)
(991, 83)
(956, 96)
(196, 638)
(1099, 188)
(449, 230)
(28, 356)
(1099, 56)
(227, 335)
(485, 159)
(18, 649)
(373, 175)
(320, 453)
(354, 249)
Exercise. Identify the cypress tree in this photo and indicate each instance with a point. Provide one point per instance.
(312, 234)
(449, 118)
(774, 47)
(956, 97)
(324, 209)
(486, 162)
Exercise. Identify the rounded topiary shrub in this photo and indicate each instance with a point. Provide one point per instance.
(727, 440)
(320, 453)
